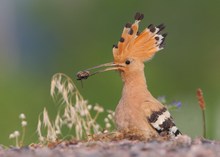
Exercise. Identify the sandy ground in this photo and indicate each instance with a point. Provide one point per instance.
(181, 147)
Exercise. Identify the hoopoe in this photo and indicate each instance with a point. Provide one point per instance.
(138, 109)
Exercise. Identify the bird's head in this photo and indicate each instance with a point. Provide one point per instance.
(133, 49)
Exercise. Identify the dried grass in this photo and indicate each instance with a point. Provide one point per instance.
(74, 113)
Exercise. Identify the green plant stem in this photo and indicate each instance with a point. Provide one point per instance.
(204, 123)
(22, 138)
(16, 142)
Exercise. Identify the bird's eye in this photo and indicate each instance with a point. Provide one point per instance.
(127, 62)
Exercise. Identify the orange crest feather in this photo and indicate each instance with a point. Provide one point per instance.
(142, 45)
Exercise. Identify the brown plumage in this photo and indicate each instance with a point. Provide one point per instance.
(137, 109)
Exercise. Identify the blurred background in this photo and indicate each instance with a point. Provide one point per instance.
(40, 38)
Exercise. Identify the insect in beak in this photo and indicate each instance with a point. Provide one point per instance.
(107, 67)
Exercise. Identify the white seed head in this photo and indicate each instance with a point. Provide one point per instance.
(24, 123)
(22, 116)
(58, 122)
(105, 131)
(11, 136)
(60, 87)
(41, 139)
(109, 116)
(65, 95)
(98, 108)
(108, 125)
(16, 133)
(95, 107)
(89, 107)
(106, 120)
(52, 87)
(46, 120)
(70, 87)
(39, 128)
(101, 109)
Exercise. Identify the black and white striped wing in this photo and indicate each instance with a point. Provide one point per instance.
(162, 122)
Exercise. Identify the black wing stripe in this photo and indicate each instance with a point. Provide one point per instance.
(162, 121)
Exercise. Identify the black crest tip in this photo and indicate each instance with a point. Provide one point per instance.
(122, 39)
(164, 35)
(115, 46)
(137, 16)
(128, 25)
(141, 17)
(152, 28)
(161, 26)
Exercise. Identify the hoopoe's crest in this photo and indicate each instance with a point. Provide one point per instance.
(134, 44)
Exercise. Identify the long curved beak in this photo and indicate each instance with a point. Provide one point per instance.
(107, 67)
